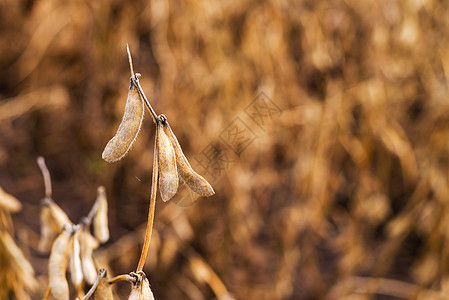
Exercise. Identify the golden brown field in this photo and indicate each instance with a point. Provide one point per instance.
(323, 127)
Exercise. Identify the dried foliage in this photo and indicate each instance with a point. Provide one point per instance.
(342, 196)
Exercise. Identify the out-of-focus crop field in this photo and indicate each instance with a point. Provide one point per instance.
(323, 127)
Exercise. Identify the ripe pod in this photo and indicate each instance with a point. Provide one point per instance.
(57, 266)
(16, 264)
(9, 202)
(101, 230)
(53, 219)
(88, 244)
(192, 179)
(127, 132)
(104, 290)
(141, 290)
(48, 230)
(168, 173)
(76, 272)
(58, 215)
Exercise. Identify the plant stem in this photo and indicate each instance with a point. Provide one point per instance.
(123, 277)
(135, 81)
(130, 60)
(100, 193)
(150, 221)
(156, 120)
(101, 274)
(45, 175)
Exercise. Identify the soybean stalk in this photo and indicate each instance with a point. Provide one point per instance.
(150, 221)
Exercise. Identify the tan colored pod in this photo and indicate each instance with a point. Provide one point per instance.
(168, 173)
(76, 272)
(193, 180)
(48, 230)
(17, 261)
(58, 215)
(141, 290)
(104, 290)
(9, 202)
(53, 219)
(101, 229)
(129, 128)
(88, 245)
(57, 266)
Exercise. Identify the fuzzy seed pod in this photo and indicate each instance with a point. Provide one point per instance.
(192, 179)
(88, 244)
(17, 262)
(76, 272)
(104, 290)
(48, 230)
(58, 215)
(53, 219)
(57, 266)
(9, 202)
(168, 173)
(127, 132)
(141, 290)
(101, 230)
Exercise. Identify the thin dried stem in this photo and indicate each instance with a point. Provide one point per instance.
(88, 220)
(135, 81)
(101, 274)
(45, 175)
(130, 60)
(123, 277)
(150, 221)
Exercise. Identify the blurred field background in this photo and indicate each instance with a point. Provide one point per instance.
(342, 191)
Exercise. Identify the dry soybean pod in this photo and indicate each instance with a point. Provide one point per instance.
(9, 202)
(88, 244)
(53, 219)
(141, 289)
(57, 265)
(76, 272)
(101, 230)
(104, 290)
(128, 129)
(19, 264)
(193, 180)
(59, 217)
(168, 173)
(48, 231)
